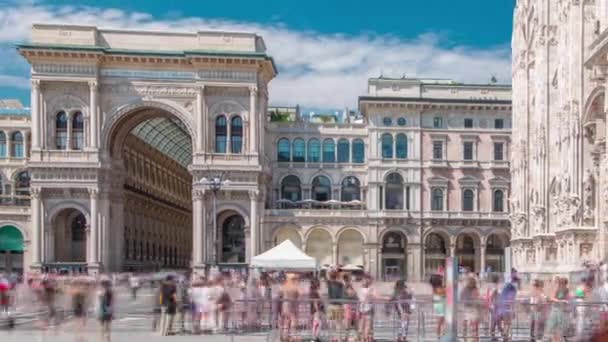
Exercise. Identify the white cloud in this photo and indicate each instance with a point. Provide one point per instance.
(11, 81)
(315, 69)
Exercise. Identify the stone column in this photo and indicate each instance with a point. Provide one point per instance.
(9, 146)
(35, 114)
(199, 230)
(93, 115)
(37, 228)
(253, 218)
(25, 144)
(253, 136)
(334, 253)
(93, 238)
(413, 262)
(482, 257)
(201, 105)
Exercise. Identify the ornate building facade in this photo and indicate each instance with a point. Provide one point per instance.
(126, 135)
(559, 166)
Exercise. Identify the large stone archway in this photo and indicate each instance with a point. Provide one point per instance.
(150, 146)
(147, 208)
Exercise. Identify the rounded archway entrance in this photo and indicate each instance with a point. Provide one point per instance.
(67, 246)
(231, 238)
(495, 252)
(466, 251)
(151, 148)
(350, 248)
(11, 250)
(394, 256)
(319, 246)
(435, 253)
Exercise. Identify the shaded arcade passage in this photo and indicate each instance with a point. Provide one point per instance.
(157, 196)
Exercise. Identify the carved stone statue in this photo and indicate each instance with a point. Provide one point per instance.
(569, 205)
(589, 198)
(519, 224)
(538, 213)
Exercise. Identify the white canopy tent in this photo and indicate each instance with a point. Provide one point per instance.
(285, 256)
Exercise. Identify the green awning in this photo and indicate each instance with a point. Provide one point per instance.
(11, 239)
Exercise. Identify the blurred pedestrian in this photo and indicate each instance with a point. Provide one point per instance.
(106, 309)
(538, 311)
(335, 296)
(168, 305)
(134, 284)
(289, 310)
(439, 298)
(368, 296)
(402, 298)
(469, 296)
(557, 324)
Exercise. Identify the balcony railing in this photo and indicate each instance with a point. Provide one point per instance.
(467, 215)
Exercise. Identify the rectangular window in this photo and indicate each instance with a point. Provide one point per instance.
(468, 123)
(438, 122)
(380, 198)
(438, 150)
(467, 150)
(498, 151)
(407, 197)
(499, 123)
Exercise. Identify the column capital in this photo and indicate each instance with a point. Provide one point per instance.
(254, 194)
(198, 194)
(35, 84)
(93, 85)
(35, 192)
(253, 90)
(93, 193)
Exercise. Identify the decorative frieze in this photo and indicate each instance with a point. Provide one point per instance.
(63, 174)
(125, 89)
(64, 69)
(148, 74)
(227, 75)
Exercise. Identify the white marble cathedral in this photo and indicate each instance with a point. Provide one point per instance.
(559, 165)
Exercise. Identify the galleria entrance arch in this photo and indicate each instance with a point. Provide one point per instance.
(126, 134)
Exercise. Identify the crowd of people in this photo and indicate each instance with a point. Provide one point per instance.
(337, 305)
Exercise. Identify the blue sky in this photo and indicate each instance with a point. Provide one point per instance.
(325, 50)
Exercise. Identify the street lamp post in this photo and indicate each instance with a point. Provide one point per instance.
(215, 185)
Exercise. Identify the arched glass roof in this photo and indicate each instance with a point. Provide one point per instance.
(167, 135)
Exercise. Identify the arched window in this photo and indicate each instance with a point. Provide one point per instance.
(236, 135)
(401, 146)
(283, 150)
(78, 131)
(233, 239)
(22, 184)
(351, 189)
(2, 145)
(358, 151)
(321, 189)
(437, 199)
(343, 151)
(314, 151)
(299, 150)
(221, 134)
(329, 151)
(394, 191)
(387, 145)
(17, 145)
(291, 189)
(61, 131)
(498, 201)
(468, 197)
